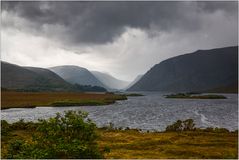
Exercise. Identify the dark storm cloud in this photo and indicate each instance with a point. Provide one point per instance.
(102, 22)
(211, 6)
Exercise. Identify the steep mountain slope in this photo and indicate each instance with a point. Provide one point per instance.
(30, 78)
(202, 70)
(232, 88)
(110, 81)
(76, 75)
(134, 81)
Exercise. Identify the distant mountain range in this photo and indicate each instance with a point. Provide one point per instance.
(14, 77)
(29, 78)
(77, 75)
(214, 70)
(110, 81)
(59, 78)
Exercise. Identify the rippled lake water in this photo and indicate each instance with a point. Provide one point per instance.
(149, 112)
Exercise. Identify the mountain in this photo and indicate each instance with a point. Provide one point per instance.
(134, 81)
(76, 75)
(110, 81)
(232, 88)
(203, 70)
(20, 78)
(30, 78)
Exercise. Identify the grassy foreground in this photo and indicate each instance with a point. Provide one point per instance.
(71, 137)
(131, 144)
(11, 99)
(187, 144)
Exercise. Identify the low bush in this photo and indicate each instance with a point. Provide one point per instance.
(187, 125)
(22, 125)
(70, 136)
(208, 129)
(5, 128)
(218, 130)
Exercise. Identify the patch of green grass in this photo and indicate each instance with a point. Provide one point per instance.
(209, 97)
(134, 94)
(118, 97)
(87, 102)
(78, 103)
(190, 96)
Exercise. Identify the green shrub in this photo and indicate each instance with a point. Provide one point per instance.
(4, 128)
(218, 130)
(209, 129)
(14, 149)
(22, 125)
(109, 127)
(187, 125)
(177, 126)
(107, 149)
(221, 130)
(19, 125)
(70, 136)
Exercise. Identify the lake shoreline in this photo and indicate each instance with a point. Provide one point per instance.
(151, 112)
(132, 143)
(56, 99)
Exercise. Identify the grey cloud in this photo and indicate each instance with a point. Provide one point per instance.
(102, 22)
(211, 6)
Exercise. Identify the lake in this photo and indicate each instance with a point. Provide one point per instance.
(150, 112)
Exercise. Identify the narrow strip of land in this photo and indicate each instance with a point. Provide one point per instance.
(11, 99)
(195, 96)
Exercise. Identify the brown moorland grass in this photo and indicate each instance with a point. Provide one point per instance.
(180, 145)
(129, 144)
(12, 99)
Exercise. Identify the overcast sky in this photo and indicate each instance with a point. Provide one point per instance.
(121, 38)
